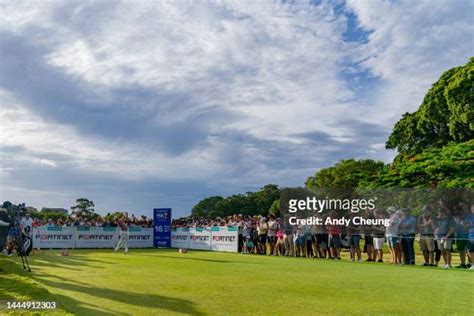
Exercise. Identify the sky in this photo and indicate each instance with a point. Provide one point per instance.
(144, 104)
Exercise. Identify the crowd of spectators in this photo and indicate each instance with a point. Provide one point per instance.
(437, 231)
(98, 221)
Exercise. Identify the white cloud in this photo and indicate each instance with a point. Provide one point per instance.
(21, 128)
(410, 45)
(276, 70)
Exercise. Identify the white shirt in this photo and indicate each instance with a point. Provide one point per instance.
(301, 230)
(393, 226)
(27, 222)
(272, 228)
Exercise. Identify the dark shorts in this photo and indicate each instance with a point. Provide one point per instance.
(322, 239)
(369, 240)
(335, 241)
(262, 238)
(470, 245)
(462, 245)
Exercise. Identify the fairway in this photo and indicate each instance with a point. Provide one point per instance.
(146, 282)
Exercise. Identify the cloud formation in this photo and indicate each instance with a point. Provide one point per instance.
(145, 104)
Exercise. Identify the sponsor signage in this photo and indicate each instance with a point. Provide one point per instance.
(162, 229)
(54, 237)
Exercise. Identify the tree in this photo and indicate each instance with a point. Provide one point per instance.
(445, 115)
(85, 208)
(348, 173)
(47, 215)
(275, 207)
(206, 206)
(448, 167)
(262, 200)
(250, 203)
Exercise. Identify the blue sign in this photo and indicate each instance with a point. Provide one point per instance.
(162, 223)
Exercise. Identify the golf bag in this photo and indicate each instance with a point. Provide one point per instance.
(23, 245)
(22, 241)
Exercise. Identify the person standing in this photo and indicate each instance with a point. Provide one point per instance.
(335, 243)
(247, 228)
(378, 233)
(239, 222)
(288, 236)
(309, 241)
(123, 229)
(426, 229)
(444, 235)
(322, 239)
(272, 230)
(470, 253)
(353, 232)
(299, 240)
(391, 232)
(262, 230)
(408, 231)
(461, 222)
(26, 223)
(368, 239)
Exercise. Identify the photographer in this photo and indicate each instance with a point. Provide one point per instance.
(4, 228)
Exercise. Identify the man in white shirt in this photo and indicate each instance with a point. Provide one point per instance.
(26, 223)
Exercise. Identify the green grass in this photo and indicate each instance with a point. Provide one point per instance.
(151, 282)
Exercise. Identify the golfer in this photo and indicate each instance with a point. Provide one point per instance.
(123, 241)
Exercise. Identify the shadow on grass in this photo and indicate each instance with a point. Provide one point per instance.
(51, 259)
(183, 257)
(124, 297)
(18, 285)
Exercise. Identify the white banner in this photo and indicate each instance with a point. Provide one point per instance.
(54, 237)
(200, 238)
(140, 237)
(180, 238)
(96, 237)
(224, 239)
(214, 238)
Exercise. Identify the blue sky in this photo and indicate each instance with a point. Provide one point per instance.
(149, 104)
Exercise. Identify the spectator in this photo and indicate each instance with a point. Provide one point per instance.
(391, 232)
(461, 222)
(299, 240)
(50, 223)
(334, 232)
(288, 236)
(353, 232)
(280, 245)
(368, 239)
(426, 229)
(248, 245)
(272, 230)
(471, 238)
(407, 232)
(309, 241)
(378, 233)
(444, 235)
(322, 239)
(262, 230)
